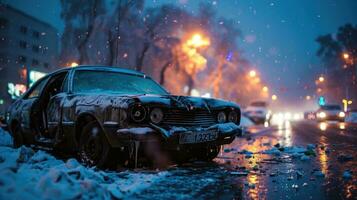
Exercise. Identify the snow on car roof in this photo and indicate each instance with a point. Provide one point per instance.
(101, 68)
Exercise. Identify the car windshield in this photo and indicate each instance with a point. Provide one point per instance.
(331, 107)
(86, 81)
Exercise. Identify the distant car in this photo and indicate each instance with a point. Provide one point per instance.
(310, 115)
(258, 112)
(330, 112)
(109, 115)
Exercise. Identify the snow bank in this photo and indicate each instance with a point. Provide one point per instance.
(29, 174)
(5, 138)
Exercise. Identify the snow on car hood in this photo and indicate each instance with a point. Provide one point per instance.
(185, 101)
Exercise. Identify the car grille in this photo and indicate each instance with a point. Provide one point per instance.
(202, 118)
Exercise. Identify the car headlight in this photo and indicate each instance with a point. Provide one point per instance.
(156, 115)
(221, 117)
(138, 113)
(233, 116)
(341, 114)
(322, 115)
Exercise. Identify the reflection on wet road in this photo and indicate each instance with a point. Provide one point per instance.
(292, 160)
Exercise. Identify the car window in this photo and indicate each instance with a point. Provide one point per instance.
(35, 91)
(85, 81)
(331, 107)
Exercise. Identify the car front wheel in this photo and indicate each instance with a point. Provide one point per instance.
(94, 149)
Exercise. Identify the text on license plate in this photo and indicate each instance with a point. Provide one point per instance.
(198, 137)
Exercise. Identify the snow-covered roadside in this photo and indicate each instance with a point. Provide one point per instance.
(29, 174)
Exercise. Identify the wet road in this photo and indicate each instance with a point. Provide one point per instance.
(305, 160)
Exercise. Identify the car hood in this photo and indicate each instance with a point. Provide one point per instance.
(183, 101)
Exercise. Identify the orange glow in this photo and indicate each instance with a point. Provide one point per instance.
(319, 90)
(198, 41)
(274, 97)
(346, 56)
(196, 62)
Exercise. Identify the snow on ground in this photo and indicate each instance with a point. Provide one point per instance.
(29, 174)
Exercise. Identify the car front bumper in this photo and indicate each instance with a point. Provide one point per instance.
(170, 138)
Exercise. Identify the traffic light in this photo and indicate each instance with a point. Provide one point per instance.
(322, 101)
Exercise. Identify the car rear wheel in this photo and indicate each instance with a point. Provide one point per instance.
(18, 139)
(94, 149)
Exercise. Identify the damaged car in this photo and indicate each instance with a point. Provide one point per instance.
(110, 116)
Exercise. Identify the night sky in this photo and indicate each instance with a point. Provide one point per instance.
(278, 36)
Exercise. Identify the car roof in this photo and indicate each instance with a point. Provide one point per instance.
(101, 68)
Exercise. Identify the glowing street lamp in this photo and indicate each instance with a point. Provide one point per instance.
(274, 97)
(346, 103)
(321, 79)
(198, 41)
(252, 73)
(346, 56)
(265, 89)
(308, 97)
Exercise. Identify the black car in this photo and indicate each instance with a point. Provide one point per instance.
(108, 115)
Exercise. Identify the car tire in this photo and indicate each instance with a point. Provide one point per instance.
(94, 148)
(18, 138)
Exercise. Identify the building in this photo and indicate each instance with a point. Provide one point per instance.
(28, 50)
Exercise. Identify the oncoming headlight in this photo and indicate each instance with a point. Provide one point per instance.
(221, 117)
(322, 115)
(156, 115)
(233, 116)
(138, 113)
(341, 114)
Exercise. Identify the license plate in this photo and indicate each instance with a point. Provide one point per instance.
(198, 136)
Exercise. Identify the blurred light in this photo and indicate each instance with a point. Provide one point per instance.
(274, 97)
(321, 114)
(16, 90)
(198, 41)
(252, 73)
(321, 79)
(35, 76)
(349, 102)
(323, 126)
(345, 104)
(341, 114)
(266, 124)
(322, 101)
(346, 56)
(319, 90)
(308, 97)
(2, 101)
(195, 93)
(287, 116)
(207, 95)
(265, 89)
(74, 64)
(342, 126)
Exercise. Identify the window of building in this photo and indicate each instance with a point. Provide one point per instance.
(3, 23)
(35, 48)
(46, 65)
(21, 59)
(23, 44)
(23, 29)
(35, 62)
(36, 34)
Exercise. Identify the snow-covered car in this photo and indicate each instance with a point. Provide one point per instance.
(258, 112)
(109, 115)
(330, 112)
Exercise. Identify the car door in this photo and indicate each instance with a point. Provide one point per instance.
(30, 116)
(54, 109)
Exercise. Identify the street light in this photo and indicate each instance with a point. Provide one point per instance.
(346, 56)
(274, 97)
(346, 103)
(308, 97)
(74, 64)
(321, 79)
(265, 89)
(252, 73)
